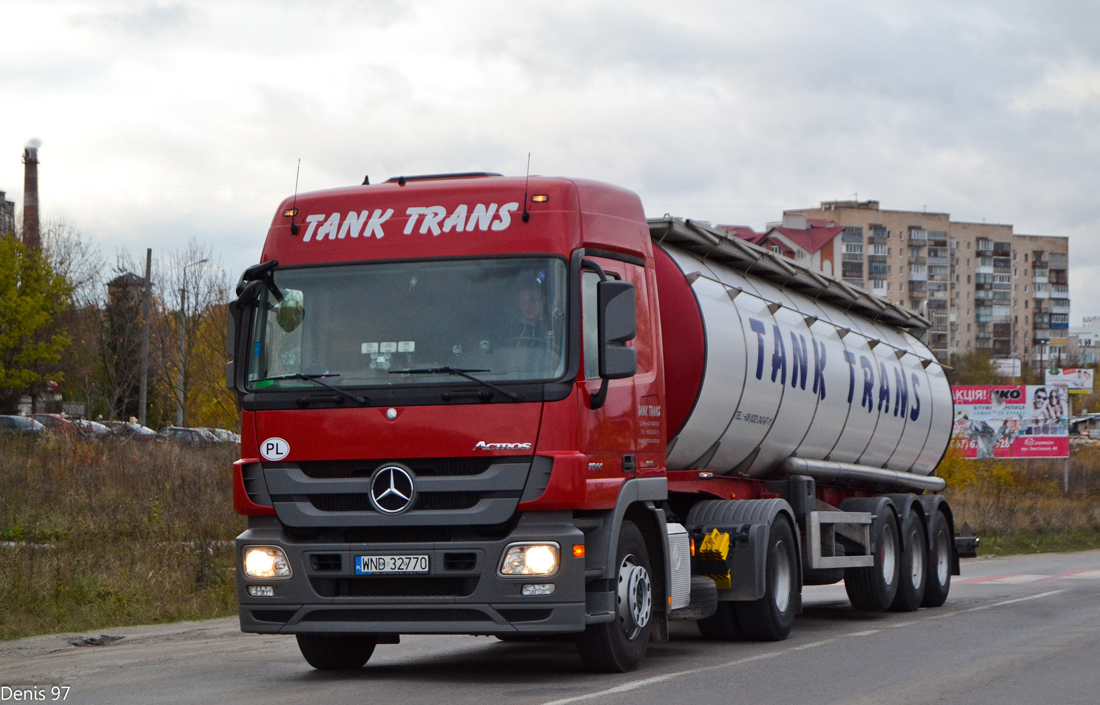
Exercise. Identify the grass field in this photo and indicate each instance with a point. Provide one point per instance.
(102, 534)
(98, 534)
(1021, 507)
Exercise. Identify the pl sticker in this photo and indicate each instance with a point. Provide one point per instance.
(274, 449)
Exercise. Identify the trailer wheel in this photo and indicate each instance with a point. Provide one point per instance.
(914, 566)
(770, 618)
(336, 652)
(873, 589)
(619, 646)
(722, 625)
(938, 582)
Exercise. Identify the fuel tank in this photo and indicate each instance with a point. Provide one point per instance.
(765, 360)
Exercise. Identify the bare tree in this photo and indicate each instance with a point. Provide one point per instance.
(76, 258)
(192, 284)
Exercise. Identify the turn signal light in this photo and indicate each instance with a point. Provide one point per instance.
(578, 550)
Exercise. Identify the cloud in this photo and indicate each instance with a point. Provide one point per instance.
(165, 118)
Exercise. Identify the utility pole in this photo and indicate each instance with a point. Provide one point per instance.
(183, 358)
(143, 389)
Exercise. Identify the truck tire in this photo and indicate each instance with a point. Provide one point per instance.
(873, 589)
(914, 565)
(722, 625)
(938, 569)
(770, 618)
(619, 646)
(336, 652)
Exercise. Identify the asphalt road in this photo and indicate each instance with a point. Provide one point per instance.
(1015, 630)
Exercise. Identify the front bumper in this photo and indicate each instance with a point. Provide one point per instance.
(462, 593)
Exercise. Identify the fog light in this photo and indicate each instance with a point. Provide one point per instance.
(530, 559)
(266, 562)
(261, 591)
(544, 589)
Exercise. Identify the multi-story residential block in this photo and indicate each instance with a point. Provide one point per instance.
(1083, 349)
(7, 215)
(983, 287)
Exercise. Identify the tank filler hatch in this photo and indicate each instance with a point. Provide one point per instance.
(744, 256)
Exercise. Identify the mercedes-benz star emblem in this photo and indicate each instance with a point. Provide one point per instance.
(391, 489)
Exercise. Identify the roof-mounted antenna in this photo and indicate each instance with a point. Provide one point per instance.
(294, 206)
(526, 180)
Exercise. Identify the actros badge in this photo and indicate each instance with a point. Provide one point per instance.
(274, 449)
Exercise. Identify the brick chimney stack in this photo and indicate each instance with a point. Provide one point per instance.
(31, 235)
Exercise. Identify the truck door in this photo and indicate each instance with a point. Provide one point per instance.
(609, 431)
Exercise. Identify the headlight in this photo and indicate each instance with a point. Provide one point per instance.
(266, 562)
(530, 559)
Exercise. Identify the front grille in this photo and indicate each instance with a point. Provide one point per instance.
(456, 491)
(361, 502)
(341, 502)
(423, 467)
(448, 500)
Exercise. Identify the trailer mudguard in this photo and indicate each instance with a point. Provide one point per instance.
(749, 522)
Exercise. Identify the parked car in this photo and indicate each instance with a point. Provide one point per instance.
(56, 423)
(223, 436)
(187, 436)
(20, 426)
(125, 430)
(91, 429)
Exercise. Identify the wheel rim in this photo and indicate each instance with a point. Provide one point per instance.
(916, 567)
(782, 577)
(635, 597)
(889, 554)
(941, 557)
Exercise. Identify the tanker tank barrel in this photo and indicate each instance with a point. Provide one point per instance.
(766, 359)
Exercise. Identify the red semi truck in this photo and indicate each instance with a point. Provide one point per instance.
(503, 406)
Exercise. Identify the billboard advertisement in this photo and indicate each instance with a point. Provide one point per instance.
(1012, 421)
(1077, 379)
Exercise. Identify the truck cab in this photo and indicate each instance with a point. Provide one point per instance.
(451, 404)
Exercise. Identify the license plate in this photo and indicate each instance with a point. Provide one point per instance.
(383, 565)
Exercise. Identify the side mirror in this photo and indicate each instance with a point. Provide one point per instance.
(617, 323)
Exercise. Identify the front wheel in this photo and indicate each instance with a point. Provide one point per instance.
(336, 652)
(620, 645)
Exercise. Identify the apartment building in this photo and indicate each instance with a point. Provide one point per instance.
(983, 287)
(7, 214)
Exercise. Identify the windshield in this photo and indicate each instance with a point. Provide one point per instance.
(412, 323)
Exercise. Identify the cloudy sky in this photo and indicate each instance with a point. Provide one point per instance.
(162, 121)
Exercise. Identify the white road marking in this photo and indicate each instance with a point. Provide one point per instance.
(1018, 599)
(627, 687)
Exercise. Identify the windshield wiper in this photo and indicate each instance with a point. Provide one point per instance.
(457, 371)
(317, 378)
